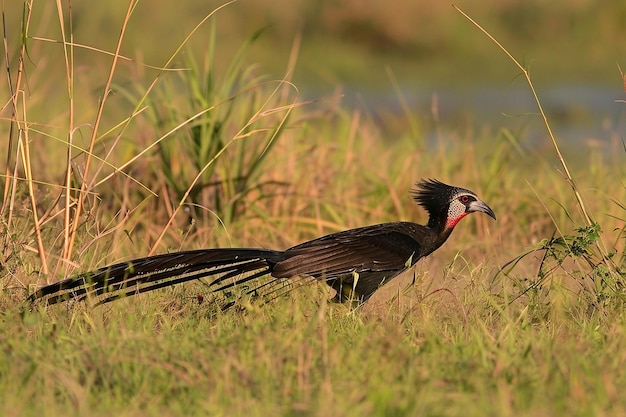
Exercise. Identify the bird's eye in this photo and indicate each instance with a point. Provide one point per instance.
(465, 199)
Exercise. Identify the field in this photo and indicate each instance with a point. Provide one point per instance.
(200, 133)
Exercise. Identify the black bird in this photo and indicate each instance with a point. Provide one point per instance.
(354, 262)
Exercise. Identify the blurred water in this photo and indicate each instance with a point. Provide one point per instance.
(578, 114)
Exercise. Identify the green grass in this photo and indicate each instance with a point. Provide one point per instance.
(224, 156)
(304, 356)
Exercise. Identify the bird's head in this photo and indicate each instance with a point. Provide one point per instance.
(446, 204)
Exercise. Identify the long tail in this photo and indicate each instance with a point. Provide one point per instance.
(231, 266)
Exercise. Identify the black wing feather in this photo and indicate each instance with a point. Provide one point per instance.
(385, 247)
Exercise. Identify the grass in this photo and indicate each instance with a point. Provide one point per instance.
(249, 163)
(304, 356)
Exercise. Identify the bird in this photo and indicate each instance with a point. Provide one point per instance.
(354, 262)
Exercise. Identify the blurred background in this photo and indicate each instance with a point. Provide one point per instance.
(376, 54)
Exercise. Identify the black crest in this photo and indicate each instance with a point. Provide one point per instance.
(434, 195)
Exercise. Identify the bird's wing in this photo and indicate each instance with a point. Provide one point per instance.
(383, 247)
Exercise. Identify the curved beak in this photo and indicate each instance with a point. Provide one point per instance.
(479, 205)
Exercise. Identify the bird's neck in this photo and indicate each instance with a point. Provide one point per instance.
(450, 222)
(442, 226)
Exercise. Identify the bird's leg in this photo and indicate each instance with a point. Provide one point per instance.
(345, 288)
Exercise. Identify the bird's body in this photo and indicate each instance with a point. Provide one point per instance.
(355, 262)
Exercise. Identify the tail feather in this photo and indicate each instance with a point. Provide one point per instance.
(271, 289)
(180, 280)
(148, 274)
(251, 266)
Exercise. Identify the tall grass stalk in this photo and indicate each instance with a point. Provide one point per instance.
(590, 224)
(20, 127)
(526, 73)
(95, 130)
